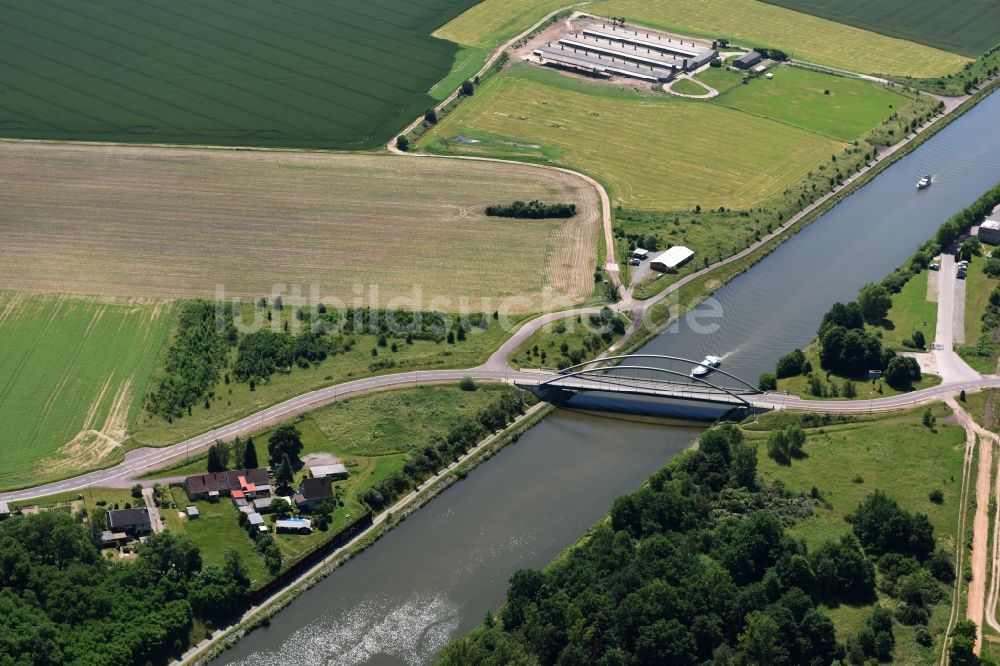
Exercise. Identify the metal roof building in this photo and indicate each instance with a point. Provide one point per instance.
(672, 258)
(989, 232)
(747, 60)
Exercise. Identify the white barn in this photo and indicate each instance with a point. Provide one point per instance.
(676, 256)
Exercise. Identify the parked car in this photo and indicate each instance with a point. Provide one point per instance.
(935, 267)
(634, 262)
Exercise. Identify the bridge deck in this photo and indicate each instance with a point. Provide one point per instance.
(629, 386)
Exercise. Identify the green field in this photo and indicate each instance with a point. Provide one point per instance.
(307, 74)
(968, 27)
(745, 21)
(834, 106)
(491, 22)
(74, 375)
(671, 153)
(802, 36)
(899, 456)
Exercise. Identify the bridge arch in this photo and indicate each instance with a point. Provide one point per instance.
(588, 373)
(750, 387)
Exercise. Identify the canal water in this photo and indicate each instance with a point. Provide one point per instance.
(435, 576)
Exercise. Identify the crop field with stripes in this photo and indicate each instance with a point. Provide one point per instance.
(969, 27)
(73, 375)
(155, 222)
(302, 73)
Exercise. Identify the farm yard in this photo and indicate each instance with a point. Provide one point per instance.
(968, 27)
(75, 373)
(669, 148)
(261, 73)
(173, 223)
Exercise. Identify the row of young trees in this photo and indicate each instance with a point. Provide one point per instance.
(440, 451)
(61, 602)
(237, 454)
(533, 210)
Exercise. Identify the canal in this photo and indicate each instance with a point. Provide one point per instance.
(436, 575)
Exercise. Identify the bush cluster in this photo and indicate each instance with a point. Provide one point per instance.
(441, 451)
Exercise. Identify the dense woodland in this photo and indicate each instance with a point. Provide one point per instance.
(696, 568)
(61, 602)
(533, 210)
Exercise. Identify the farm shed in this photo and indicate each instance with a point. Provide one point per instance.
(335, 471)
(989, 232)
(676, 256)
(747, 60)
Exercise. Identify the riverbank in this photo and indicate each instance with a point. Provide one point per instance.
(259, 615)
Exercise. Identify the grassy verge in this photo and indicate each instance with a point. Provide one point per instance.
(978, 287)
(232, 400)
(910, 311)
(832, 385)
(567, 342)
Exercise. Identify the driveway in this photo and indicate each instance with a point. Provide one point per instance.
(950, 316)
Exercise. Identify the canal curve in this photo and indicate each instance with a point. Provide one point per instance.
(435, 576)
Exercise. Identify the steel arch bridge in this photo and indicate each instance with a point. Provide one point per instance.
(628, 375)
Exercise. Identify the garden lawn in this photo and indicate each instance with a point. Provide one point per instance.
(671, 153)
(835, 106)
(910, 311)
(688, 87)
(216, 530)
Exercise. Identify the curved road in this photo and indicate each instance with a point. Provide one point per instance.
(497, 368)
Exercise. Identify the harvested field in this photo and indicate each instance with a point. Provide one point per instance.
(73, 375)
(175, 223)
(309, 73)
(968, 27)
(671, 153)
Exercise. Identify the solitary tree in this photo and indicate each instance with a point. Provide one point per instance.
(431, 116)
(402, 143)
(250, 455)
(285, 473)
(286, 441)
(468, 88)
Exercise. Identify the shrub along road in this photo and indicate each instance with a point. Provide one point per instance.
(497, 368)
